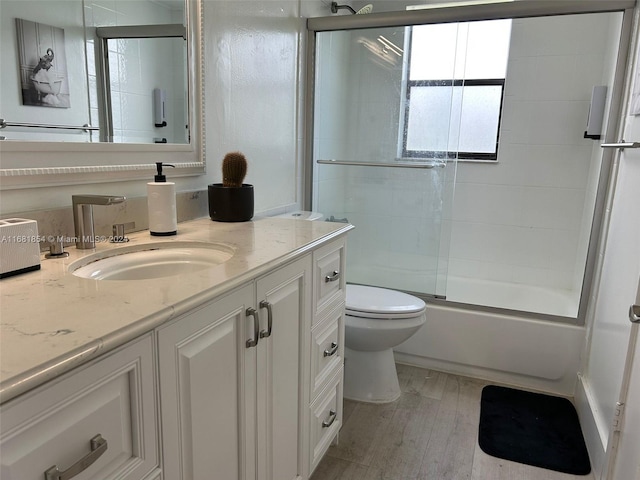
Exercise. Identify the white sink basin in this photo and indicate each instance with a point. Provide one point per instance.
(151, 260)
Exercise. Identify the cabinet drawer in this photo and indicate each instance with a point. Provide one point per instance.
(327, 349)
(53, 425)
(326, 419)
(329, 281)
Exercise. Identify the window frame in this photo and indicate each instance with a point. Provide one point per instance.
(447, 155)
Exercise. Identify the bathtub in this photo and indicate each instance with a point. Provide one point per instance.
(513, 296)
(496, 345)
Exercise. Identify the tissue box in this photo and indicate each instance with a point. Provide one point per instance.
(19, 246)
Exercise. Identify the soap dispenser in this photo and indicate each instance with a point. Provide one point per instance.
(161, 201)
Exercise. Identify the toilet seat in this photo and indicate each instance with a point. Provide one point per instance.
(381, 303)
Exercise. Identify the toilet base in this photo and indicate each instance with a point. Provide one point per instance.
(370, 376)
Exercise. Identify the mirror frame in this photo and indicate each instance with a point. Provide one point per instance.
(26, 164)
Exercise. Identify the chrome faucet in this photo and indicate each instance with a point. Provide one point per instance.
(83, 216)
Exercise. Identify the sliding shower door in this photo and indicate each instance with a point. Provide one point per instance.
(510, 111)
(382, 156)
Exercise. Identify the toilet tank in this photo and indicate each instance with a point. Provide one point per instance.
(302, 215)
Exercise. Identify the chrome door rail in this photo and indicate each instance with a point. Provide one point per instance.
(421, 165)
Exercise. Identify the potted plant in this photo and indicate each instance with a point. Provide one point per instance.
(231, 200)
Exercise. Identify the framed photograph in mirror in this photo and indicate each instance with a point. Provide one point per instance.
(42, 64)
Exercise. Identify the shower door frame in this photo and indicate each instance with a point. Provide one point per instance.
(493, 11)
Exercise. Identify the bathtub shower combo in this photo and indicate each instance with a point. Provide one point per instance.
(464, 145)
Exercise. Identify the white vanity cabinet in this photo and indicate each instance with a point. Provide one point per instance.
(47, 433)
(245, 385)
(231, 377)
(327, 349)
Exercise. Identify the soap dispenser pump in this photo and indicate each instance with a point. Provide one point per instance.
(161, 201)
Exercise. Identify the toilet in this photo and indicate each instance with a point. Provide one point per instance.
(302, 215)
(376, 320)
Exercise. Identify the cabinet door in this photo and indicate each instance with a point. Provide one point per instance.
(282, 369)
(110, 401)
(202, 386)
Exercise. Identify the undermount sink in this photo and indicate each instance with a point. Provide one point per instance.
(151, 260)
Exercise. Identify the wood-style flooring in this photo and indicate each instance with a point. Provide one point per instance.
(429, 433)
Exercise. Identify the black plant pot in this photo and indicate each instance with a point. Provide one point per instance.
(230, 204)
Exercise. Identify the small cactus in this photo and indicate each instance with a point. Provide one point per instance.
(234, 169)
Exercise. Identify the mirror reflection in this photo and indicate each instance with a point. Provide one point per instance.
(142, 96)
(94, 71)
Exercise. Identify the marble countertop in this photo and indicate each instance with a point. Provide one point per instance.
(52, 321)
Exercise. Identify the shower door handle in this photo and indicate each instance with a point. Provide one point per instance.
(621, 145)
(634, 313)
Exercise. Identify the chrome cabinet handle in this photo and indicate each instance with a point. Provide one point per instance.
(251, 312)
(333, 277)
(267, 333)
(332, 418)
(332, 350)
(634, 313)
(98, 447)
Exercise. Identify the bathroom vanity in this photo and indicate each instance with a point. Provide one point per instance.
(231, 372)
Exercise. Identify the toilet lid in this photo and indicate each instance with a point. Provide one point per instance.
(381, 301)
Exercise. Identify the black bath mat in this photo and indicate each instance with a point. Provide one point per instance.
(532, 428)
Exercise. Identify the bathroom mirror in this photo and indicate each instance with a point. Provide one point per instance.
(123, 74)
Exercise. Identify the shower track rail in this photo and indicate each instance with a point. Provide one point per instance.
(389, 165)
(86, 127)
(447, 14)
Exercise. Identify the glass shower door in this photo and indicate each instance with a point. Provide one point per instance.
(364, 169)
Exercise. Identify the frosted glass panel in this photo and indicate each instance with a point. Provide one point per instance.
(479, 119)
(474, 113)
(426, 129)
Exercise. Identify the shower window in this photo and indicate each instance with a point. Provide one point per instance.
(458, 68)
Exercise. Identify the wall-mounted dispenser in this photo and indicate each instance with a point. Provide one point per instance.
(596, 113)
(159, 112)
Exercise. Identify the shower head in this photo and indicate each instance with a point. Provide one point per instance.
(366, 9)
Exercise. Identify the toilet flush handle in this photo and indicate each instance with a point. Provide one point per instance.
(333, 277)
